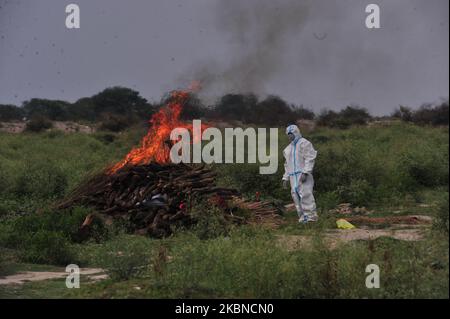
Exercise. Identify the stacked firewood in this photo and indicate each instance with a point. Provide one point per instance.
(155, 196)
(261, 212)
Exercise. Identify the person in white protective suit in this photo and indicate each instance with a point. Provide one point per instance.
(300, 157)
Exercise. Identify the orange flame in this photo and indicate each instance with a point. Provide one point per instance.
(155, 145)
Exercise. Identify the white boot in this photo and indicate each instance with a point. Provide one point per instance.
(309, 218)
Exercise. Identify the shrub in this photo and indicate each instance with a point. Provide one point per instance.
(427, 114)
(5, 180)
(105, 138)
(50, 109)
(426, 165)
(41, 180)
(272, 111)
(47, 247)
(441, 221)
(358, 192)
(404, 113)
(355, 115)
(209, 221)
(118, 101)
(236, 107)
(115, 123)
(303, 113)
(19, 231)
(247, 179)
(114, 100)
(2, 266)
(193, 108)
(432, 114)
(38, 124)
(351, 115)
(11, 113)
(125, 257)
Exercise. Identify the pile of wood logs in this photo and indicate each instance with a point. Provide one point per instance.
(261, 212)
(155, 196)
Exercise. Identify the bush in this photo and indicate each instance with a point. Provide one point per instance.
(351, 115)
(19, 231)
(236, 107)
(193, 108)
(43, 180)
(119, 101)
(247, 179)
(54, 110)
(47, 247)
(115, 100)
(125, 257)
(105, 138)
(47, 237)
(271, 111)
(11, 113)
(427, 114)
(38, 124)
(404, 113)
(426, 165)
(303, 113)
(357, 192)
(209, 221)
(432, 114)
(39, 239)
(2, 266)
(115, 123)
(5, 180)
(441, 221)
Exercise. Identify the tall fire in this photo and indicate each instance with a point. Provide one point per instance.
(155, 145)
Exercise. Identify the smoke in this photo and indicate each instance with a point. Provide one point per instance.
(258, 33)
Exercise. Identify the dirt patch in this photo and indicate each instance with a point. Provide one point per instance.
(68, 127)
(72, 127)
(12, 127)
(94, 274)
(409, 220)
(334, 238)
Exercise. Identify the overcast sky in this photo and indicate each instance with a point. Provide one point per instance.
(316, 53)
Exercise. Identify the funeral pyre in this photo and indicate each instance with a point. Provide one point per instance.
(153, 194)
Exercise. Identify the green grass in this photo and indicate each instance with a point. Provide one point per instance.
(36, 169)
(250, 264)
(396, 170)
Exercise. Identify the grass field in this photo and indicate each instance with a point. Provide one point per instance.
(401, 168)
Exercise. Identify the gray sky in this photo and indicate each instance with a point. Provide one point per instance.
(316, 53)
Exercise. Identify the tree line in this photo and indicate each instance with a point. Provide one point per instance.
(117, 108)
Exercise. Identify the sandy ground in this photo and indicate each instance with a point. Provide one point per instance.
(334, 238)
(93, 274)
(68, 127)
